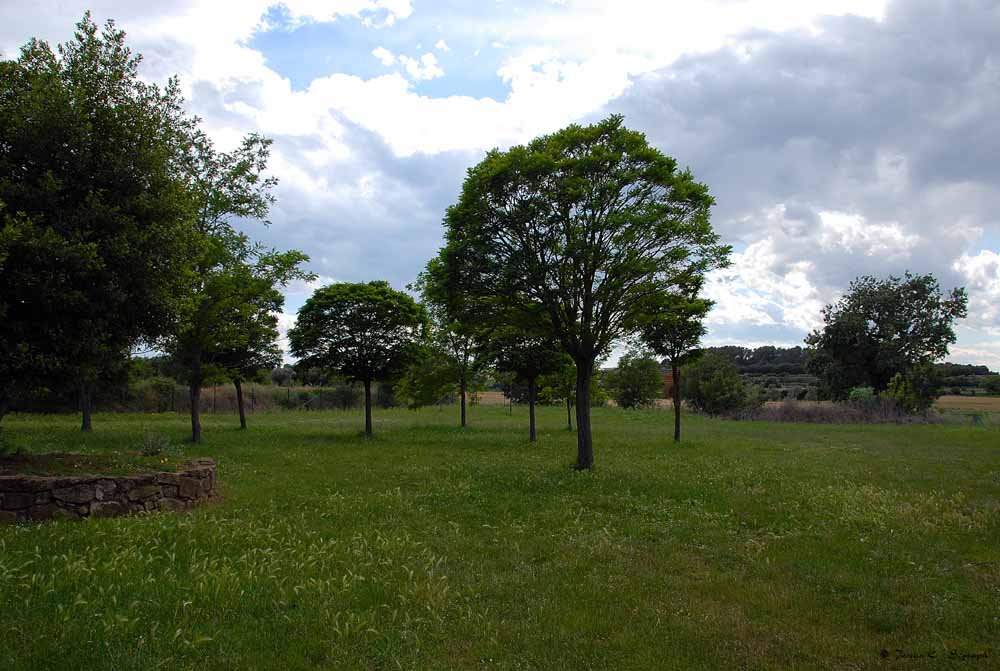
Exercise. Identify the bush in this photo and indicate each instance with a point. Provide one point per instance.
(860, 395)
(346, 396)
(712, 385)
(874, 411)
(916, 390)
(385, 397)
(637, 382)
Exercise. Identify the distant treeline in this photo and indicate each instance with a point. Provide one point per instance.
(771, 360)
(767, 360)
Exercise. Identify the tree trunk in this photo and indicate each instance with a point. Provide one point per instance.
(462, 394)
(86, 405)
(195, 395)
(368, 407)
(584, 439)
(532, 436)
(239, 403)
(569, 413)
(675, 374)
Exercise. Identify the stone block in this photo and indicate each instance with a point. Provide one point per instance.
(80, 493)
(107, 509)
(190, 487)
(173, 504)
(8, 517)
(16, 501)
(143, 492)
(105, 490)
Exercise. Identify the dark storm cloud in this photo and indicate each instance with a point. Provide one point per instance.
(897, 121)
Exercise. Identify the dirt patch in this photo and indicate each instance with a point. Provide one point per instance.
(970, 403)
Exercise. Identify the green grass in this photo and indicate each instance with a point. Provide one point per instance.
(750, 545)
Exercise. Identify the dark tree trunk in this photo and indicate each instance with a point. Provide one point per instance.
(368, 407)
(462, 394)
(86, 405)
(195, 395)
(239, 403)
(569, 413)
(675, 374)
(532, 436)
(584, 439)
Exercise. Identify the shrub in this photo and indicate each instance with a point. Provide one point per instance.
(859, 395)
(916, 390)
(637, 382)
(385, 397)
(712, 385)
(346, 396)
(155, 444)
(874, 411)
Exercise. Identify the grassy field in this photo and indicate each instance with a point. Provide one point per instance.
(751, 545)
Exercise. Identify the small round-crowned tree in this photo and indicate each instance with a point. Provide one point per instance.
(362, 331)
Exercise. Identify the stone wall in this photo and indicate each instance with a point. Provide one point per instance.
(25, 497)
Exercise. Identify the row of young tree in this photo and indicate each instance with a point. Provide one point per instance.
(119, 232)
(119, 228)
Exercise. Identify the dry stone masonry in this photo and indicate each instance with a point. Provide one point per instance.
(25, 497)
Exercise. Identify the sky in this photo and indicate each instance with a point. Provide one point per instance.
(838, 137)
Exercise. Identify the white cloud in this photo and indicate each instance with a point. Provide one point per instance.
(384, 55)
(426, 68)
(442, 46)
(981, 272)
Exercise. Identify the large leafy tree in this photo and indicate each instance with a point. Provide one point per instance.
(362, 331)
(584, 226)
(96, 219)
(882, 327)
(235, 282)
(673, 330)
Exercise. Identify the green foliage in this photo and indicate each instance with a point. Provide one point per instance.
(525, 355)
(429, 378)
(992, 384)
(452, 359)
(712, 385)
(363, 332)
(916, 390)
(861, 395)
(673, 328)
(637, 381)
(345, 395)
(881, 328)
(574, 234)
(283, 376)
(94, 253)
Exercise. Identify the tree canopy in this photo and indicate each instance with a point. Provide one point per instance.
(362, 331)
(94, 207)
(585, 226)
(673, 330)
(882, 327)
